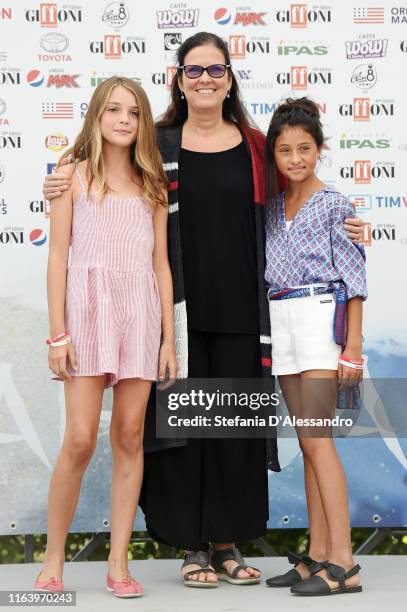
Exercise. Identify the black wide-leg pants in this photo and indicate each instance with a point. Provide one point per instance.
(210, 490)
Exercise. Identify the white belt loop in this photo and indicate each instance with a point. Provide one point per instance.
(311, 290)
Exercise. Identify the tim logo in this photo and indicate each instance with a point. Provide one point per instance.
(237, 46)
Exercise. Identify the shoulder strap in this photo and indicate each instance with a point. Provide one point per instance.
(80, 179)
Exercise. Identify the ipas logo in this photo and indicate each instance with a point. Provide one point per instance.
(116, 15)
(10, 140)
(364, 171)
(363, 142)
(301, 48)
(239, 47)
(363, 109)
(48, 15)
(38, 237)
(223, 16)
(371, 48)
(172, 41)
(300, 16)
(181, 18)
(10, 76)
(164, 78)
(300, 77)
(364, 76)
(113, 47)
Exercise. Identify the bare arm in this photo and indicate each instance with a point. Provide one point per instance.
(60, 237)
(163, 273)
(353, 348)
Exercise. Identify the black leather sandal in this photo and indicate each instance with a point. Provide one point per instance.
(232, 554)
(293, 576)
(201, 558)
(317, 586)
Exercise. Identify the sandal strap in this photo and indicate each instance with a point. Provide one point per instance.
(296, 559)
(339, 574)
(203, 570)
(227, 554)
(197, 557)
(317, 566)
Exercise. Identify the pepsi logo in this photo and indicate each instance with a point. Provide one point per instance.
(38, 237)
(35, 78)
(223, 16)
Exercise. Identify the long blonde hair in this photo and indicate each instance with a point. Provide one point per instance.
(144, 153)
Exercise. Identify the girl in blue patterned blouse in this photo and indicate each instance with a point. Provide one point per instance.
(316, 285)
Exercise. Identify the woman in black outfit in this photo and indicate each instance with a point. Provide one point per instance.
(203, 491)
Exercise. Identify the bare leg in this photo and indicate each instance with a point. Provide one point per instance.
(126, 434)
(83, 397)
(319, 542)
(323, 458)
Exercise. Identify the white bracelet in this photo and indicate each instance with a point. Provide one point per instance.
(350, 365)
(63, 342)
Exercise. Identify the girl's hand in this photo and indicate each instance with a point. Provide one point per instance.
(57, 360)
(349, 377)
(354, 227)
(54, 184)
(167, 365)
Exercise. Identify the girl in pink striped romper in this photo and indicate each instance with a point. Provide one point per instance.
(108, 312)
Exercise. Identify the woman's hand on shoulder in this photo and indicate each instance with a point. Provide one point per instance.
(58, 182)
(354, 227)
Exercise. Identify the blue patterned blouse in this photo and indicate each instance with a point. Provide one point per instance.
(315, 248)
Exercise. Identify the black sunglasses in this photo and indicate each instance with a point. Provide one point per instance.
(216, 71)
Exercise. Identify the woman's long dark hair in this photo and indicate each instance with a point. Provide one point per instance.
(302, 112)
(233, 108)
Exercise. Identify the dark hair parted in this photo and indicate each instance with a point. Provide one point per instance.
(177, 111)
(303, 113)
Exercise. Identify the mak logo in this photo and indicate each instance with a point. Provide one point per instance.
(223, 16)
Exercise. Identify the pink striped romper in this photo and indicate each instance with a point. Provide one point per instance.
(112, 307)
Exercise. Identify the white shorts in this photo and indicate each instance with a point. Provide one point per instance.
(302, 334)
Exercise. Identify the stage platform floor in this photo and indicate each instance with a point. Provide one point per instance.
(384, 582)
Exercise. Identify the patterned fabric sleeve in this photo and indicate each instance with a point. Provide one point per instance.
(348, 257)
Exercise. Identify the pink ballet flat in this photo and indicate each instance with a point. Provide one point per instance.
(124, 588)
(52, 585)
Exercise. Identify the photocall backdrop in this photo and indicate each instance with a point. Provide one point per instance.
(350, 58)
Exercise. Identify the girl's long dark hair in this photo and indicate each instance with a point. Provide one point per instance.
(302, 112)
(233, 108)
